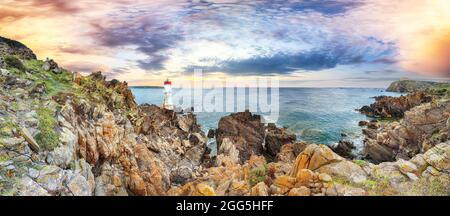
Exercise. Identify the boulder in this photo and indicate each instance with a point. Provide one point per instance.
(276, 138)
(282, 184)
(439, 157)
(344, 148)
(245, 131)
(345, 170)
(28, 187)
(29, 138)
(203, 190)
(260, 189)
(50, 65)
(301, 191)
(314, 157)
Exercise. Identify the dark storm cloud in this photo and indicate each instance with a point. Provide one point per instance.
(314, 60)
(149, 37)
(326, 7)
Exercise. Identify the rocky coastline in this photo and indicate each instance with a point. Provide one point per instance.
(65, 134)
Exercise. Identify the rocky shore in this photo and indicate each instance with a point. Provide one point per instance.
(65, 134)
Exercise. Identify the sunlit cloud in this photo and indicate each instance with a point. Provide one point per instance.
(143, 42)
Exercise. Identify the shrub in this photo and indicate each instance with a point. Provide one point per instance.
(47, 137)
(14, 62)
(257, 175)
(360, 162)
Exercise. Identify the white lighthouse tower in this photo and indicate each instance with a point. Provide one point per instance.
(168, 104)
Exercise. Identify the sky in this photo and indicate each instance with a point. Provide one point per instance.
(303, 43)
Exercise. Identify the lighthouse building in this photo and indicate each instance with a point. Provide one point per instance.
(168, 103)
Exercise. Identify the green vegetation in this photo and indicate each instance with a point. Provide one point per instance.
(7, 126)
(4, 158)
(47, 137)
(14, 62)
(14, 106)
(98, 92)
(360, 162)
(257, 175)
(54, 83)
(440, 89)
(429, 187)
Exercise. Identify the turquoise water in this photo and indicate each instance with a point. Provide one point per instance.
(317, 115)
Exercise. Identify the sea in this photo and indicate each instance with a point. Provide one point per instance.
(318, 115)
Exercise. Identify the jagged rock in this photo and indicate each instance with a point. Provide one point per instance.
(64, 154)
(394, 107)
(345, 170)
(79, 186)
(77, 77)
(406, 166)
(276, 138)
(282, 184)
(238, 188)
(299, 147)
(410, 136)
(286, 154)
(439, 157)
(244, 130)
(211, 133)
(181, 175)
(325, 177)
(29, 138)
(110, 182)
(28, 187)
(50, 65)
(344, 148)
(203, 190)
(227, 149)
(301, 191)
(313, 157)
(39, 89)
(304, 177)
(249, 135)
(260, 189)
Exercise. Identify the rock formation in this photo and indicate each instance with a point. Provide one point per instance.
(251, 137)
(421, 128)
(394, 107)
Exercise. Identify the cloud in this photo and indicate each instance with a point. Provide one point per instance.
(340, 51)
(147, 34)
(61, 6)
(326, 7)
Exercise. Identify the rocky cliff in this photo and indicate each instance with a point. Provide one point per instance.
(67, 134)
(407, 125)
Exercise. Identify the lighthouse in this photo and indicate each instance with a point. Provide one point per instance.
(168, 104)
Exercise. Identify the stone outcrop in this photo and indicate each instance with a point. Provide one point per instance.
(275, 138)
(244, 130)
(14, 48)
(394, 107)
(251, 137)
(421, 128)
(344, 148)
